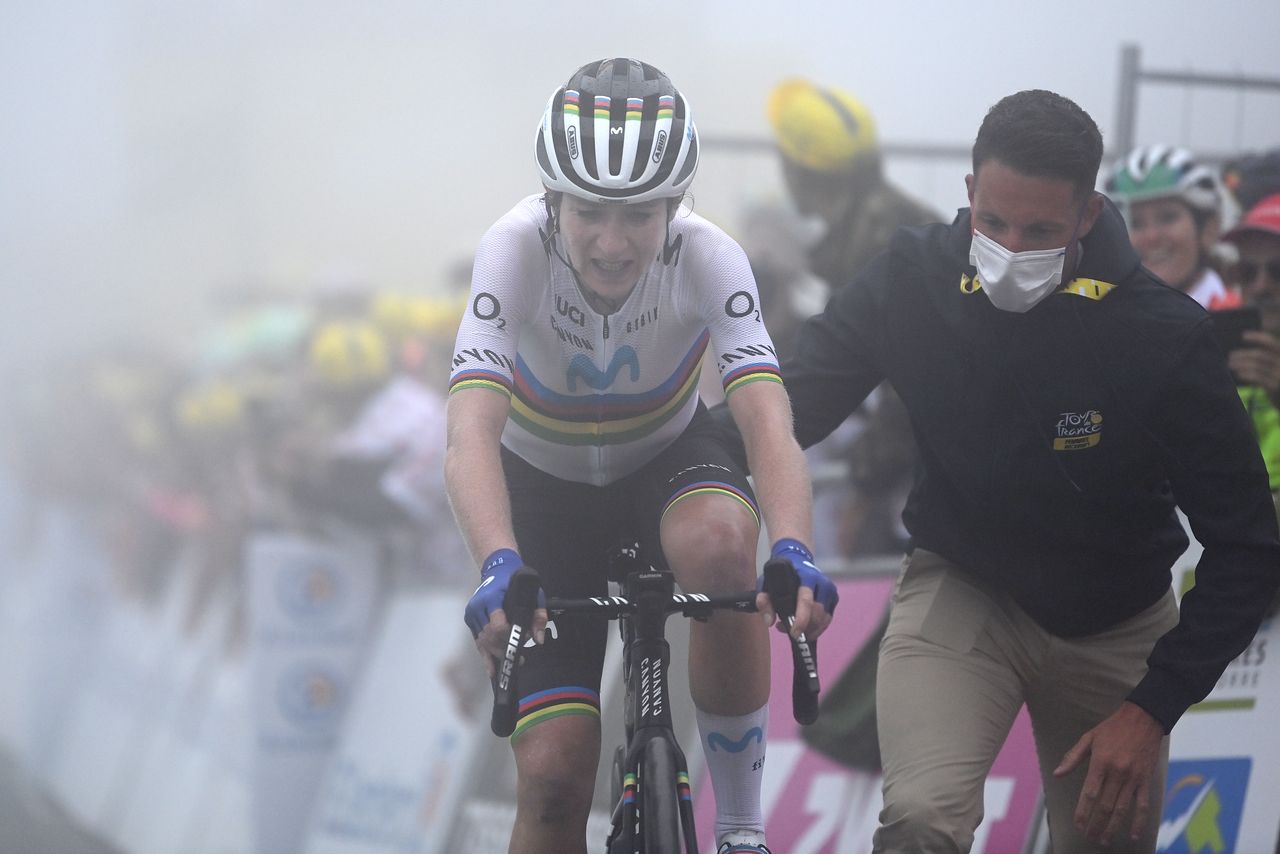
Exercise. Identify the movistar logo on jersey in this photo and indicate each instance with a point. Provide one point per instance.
(1203, 804)
(1078, 430)
(581, 367)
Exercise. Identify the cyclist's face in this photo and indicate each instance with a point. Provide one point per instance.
(612, 245)
(1168, 241)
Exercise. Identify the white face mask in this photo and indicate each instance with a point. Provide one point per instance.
(1015, 281)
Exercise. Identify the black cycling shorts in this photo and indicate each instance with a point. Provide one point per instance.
(567, 532)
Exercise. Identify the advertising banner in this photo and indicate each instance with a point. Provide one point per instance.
(1223, 789)
(311, 604)
(396, 778)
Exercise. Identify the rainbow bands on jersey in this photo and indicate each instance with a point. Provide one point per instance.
(481, 379)
(603, 419)
(744, 374)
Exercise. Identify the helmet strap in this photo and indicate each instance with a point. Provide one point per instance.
(550, 245)
(548, 235)
(670, 248)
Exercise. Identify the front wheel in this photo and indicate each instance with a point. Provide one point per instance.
(659, 805)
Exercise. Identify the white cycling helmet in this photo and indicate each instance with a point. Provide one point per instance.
(1161, 171)
(618, 131)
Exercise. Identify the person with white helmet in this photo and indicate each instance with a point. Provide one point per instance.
(1173, 206)
(574, 418)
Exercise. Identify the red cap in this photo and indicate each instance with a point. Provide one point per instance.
(1264, 217)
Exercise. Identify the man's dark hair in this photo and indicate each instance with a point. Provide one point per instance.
(1042, 134)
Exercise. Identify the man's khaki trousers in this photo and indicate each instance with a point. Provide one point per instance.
(957, 663)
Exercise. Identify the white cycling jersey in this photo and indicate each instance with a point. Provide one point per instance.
(594, 397)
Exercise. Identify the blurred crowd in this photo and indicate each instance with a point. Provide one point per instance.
(289, 415)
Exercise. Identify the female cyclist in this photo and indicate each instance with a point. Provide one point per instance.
(574, 418)
(1173, 206)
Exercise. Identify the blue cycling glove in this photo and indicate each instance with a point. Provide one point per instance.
(795, 553)
(495, 574)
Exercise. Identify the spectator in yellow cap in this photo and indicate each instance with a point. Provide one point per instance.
(832, 168)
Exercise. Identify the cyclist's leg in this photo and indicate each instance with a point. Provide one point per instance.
(709, 541)
(560, 528)
(703, 514)
(555, 766)
(948, 689)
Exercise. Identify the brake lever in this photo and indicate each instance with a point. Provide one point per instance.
(519, 603)
(782, 584)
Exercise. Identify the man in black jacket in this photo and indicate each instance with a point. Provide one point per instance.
(1058, 427)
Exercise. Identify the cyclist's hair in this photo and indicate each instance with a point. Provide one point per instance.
(1042, 134)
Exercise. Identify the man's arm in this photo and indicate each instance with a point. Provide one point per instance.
(836, 364)
(1220, 482)
(833, 369)
(763, 416)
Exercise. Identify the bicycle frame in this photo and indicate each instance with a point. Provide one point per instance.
(646, 656)
(645, 807)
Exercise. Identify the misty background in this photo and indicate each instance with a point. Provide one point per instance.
(163, 162)
(155, 155)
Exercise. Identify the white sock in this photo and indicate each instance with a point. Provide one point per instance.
(734, 752)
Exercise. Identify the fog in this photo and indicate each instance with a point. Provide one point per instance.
(162, 160)
(156, 154)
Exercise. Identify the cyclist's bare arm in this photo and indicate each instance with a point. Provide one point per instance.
(478, 494)
(762, 412)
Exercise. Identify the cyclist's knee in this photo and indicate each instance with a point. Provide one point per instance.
(555, 792)
(556, 763)
(551, 805)
(713, 552)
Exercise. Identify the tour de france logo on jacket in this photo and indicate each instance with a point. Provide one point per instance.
(1076, 431)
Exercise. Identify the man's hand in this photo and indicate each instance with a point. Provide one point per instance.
(1122, 752)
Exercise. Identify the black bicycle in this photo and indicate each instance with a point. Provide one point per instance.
(652, 799)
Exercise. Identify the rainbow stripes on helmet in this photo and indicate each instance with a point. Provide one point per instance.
(635, 141)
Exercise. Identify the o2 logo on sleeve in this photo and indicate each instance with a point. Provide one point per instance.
(741, 304)
(486, 306)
